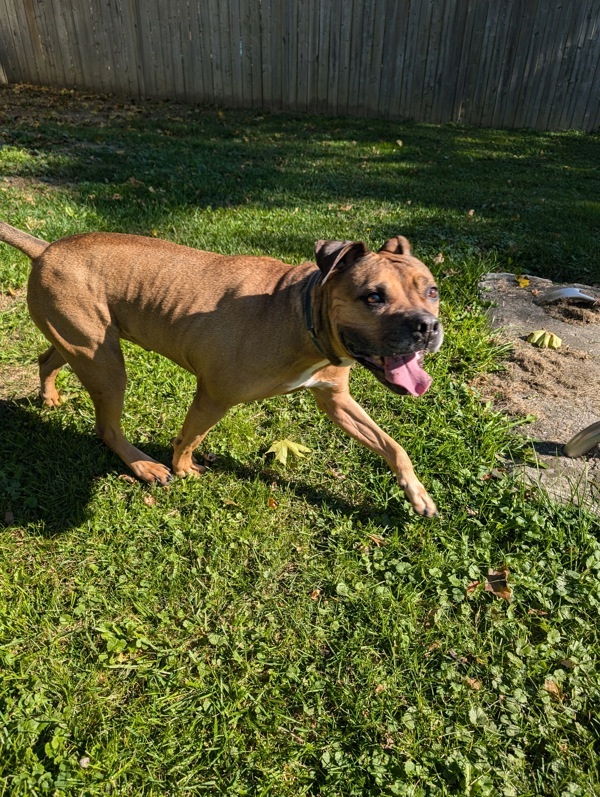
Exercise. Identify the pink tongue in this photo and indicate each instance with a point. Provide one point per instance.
(406, 372)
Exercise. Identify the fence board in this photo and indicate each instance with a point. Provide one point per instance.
(14, 56)
(584, 68)
(511, 63)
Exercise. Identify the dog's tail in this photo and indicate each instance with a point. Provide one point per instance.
(31, 246)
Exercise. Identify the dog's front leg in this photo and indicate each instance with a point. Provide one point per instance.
(202, 415)
(337, 403)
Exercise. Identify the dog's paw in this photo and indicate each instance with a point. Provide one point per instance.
(191, 468)
(420, 500)
(51, 399)
(152, 472)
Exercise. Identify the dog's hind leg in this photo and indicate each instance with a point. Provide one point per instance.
(102, 373)
(202, 415)
(50, 363)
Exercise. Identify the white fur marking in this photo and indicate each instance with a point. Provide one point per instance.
(306, 378)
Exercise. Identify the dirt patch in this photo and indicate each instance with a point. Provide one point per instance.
(557, 391)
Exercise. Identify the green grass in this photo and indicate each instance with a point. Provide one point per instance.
(269, 631)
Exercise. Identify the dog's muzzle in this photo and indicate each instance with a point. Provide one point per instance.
(398, 361)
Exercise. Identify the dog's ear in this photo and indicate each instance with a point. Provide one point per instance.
(397, 246)
(331, 255)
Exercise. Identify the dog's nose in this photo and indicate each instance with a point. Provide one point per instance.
(427, 326)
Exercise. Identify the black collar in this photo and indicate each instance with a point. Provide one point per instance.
(308, 313)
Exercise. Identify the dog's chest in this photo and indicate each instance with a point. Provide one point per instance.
(307, 378)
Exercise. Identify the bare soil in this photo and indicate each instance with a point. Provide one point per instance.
(556, 392)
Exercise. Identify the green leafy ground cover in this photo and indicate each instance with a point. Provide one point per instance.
(287, 631)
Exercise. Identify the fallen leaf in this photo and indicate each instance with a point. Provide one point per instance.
(544, 340)
(472, 587)
(281, 449)
(345, 207)
(540, 612)
(497, 583)
(438, 259)
(315, 594)
(554, 690)
(149, 500)
(460, 659)
(473, 683)
(522, 282)
(379, 689)
(272, 503)
(377, 539)
(432, 648)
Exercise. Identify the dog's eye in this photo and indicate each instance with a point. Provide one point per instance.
(432, 293)
(374, 298)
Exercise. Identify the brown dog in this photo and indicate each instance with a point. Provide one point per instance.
(246, 327)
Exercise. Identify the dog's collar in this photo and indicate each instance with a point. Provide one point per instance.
(308, 312)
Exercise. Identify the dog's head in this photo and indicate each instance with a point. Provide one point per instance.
(382, 310)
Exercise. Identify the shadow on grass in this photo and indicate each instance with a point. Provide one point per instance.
(48, 471)
(533, 194)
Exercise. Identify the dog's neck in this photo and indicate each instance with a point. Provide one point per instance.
(321, 345)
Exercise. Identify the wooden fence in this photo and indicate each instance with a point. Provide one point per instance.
(497, 63)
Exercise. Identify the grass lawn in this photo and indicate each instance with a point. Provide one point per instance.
(290, 631)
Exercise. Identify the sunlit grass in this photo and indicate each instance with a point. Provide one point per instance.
(270, 631)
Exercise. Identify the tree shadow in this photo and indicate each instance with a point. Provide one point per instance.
(532, 194)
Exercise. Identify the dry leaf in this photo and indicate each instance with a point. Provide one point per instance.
(315, 594)
(522, 282)
(554, 690)
(544, 340)
(281, 449)
(345, 207)
(460, 659)
(439, 259)
(149, 500)
(471, 587)
(272, 503)
(473, 683)
(377, 539)
(497, 583)
(379, 689)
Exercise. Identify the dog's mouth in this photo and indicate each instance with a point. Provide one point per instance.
(401, 373)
